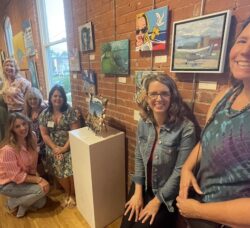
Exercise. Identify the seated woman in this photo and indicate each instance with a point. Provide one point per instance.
(16, 86)
(223, 154)
(55, 122)
(34, 105)
(18, 161)
(164, 139)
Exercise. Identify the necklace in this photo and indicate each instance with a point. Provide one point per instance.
(228, 108)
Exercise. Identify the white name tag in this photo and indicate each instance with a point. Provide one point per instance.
(50, 124)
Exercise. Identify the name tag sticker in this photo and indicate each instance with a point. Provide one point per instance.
(50, 124)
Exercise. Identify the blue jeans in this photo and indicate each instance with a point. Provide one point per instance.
(23, 195)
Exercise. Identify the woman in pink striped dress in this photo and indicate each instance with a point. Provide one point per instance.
(18, 163)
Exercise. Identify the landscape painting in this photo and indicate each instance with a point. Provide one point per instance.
(199, 44)
(151, 30)
(115, 57)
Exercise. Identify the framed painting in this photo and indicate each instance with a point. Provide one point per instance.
(74, 60)
(115, 57)
(200, 43)
(151, 30)
(86, 37)
(33, 73)
(89, 82)
(28, 38)
(19, 50)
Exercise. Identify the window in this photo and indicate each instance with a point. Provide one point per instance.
(54, 44)
(8, 36)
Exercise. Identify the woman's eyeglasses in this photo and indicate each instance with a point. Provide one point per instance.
(143, 30)
(154, 95)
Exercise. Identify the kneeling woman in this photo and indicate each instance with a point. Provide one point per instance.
(18, 163)
(164, 140)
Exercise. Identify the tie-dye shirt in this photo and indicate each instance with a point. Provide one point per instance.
(224, 172)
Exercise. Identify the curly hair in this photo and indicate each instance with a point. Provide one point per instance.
(11, 138)
(176, 111)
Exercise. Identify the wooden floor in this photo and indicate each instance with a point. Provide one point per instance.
(51, 216)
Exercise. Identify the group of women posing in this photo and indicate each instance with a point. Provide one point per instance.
(36, 141)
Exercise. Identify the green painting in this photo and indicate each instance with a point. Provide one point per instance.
(115, 57)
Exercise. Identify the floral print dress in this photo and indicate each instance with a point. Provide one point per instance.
(58, 133)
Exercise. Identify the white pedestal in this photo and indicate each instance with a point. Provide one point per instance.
(99, 174)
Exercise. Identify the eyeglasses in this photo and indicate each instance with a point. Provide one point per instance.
(154, 95)
(143, 30)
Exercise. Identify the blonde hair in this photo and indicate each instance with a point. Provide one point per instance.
(33, 92)
(13, 61)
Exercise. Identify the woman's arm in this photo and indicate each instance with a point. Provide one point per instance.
(66, 146)
(46, 138)
(234, 213)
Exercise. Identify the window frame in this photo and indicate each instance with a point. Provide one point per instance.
(8, 34)
(45, 43)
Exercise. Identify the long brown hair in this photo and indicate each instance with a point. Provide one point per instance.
(11, 138)
(176, 111)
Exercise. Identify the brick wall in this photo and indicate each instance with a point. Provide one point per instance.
(122, 26)
(115, 20)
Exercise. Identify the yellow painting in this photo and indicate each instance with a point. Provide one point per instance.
(19, 50)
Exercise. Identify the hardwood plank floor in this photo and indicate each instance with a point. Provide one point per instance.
(51, 216)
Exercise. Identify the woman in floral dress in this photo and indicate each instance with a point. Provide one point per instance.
(55, 122)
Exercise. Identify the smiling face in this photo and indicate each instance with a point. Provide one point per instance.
(158, 97)
(240, 56)
(20, 128)
(57, 99)
(10, 70)
(33, 102)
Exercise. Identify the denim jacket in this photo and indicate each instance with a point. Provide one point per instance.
(171, 150)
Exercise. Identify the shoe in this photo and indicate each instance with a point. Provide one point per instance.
(21, 212)
(9, 210)
(65, 201)
(71, 202)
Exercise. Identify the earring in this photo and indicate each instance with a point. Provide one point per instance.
(148, 108)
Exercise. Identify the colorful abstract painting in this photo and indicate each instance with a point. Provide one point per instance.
(151, 30)
(115, 57)
(89, 82)
(19, 50)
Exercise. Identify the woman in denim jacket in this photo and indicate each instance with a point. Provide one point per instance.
(164, 140)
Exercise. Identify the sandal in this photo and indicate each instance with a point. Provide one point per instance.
(71, 202)
(65, 202)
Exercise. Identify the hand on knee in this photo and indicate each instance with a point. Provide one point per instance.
(44, 185)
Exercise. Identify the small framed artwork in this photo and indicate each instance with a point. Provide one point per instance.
(86, 37)
(200, 43)
(115, 57)
(151, 30)
(33, 73)
(89, 82)
(74, 60)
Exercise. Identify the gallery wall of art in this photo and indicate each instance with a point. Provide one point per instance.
(114, 21)
(105, 40)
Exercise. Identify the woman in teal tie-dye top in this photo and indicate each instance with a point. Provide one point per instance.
(223, 180)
